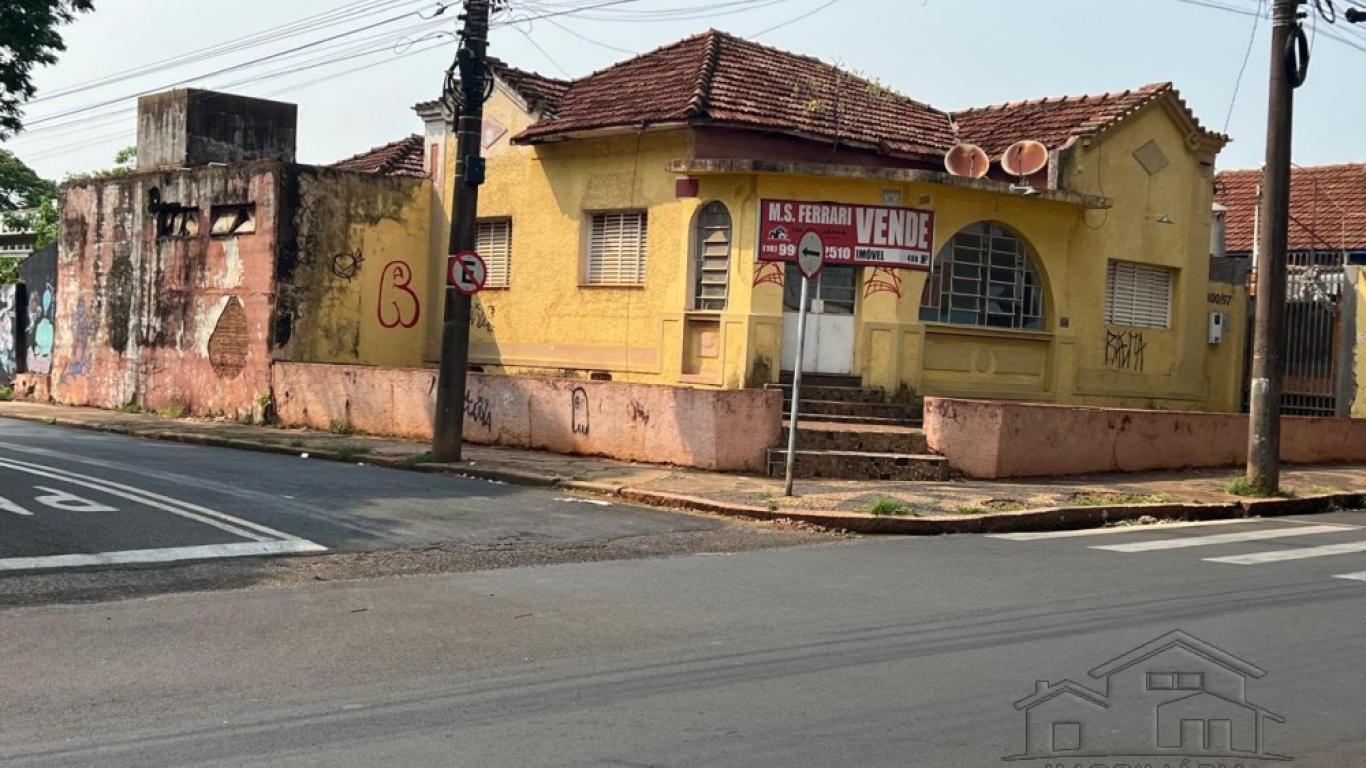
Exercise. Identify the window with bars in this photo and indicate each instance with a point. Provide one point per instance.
(493, 241)
(1138, 295)
(616, 248)
(711, 257)
(984, 276)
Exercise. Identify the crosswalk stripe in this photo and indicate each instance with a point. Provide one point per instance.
(1359, 576)
(1223, 538)
(1279, 555)
(1035, 535)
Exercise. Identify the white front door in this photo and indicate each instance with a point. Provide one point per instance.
(829, 320)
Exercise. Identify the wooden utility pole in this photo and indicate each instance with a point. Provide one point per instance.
(469, 92)
(1264, 418)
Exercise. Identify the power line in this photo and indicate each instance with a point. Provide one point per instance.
(1238, 82)
(794, 19)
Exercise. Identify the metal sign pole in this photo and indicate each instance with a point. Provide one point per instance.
(796, 388)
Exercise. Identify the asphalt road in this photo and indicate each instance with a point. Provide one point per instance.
(864, 652)
(86, 515)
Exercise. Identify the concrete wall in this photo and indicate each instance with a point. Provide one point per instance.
(189, 127)
(11, 336)
(155, 309)
(710, 429)
(38, 273)
(990, 439)
(353, 268)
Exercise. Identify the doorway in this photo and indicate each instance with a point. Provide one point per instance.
(829, 320)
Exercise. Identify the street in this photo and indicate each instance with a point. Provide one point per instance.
(878, 652)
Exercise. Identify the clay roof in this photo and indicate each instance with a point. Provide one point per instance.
(719, 79)
(1327, 207)
(1056, 121)
(404, 157)
(541, 93)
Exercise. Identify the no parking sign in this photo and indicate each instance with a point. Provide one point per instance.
(466, 272)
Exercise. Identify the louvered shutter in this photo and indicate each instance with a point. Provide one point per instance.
(494, 243)
(1138, 295)
(616, 248)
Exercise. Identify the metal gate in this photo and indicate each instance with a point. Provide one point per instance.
(1316, 292)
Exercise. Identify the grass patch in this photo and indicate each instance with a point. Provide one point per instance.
(887, 507)
(174, 411)
(351, 449)
(131, 408)
(1239, 486)
(971, 511)
(6, 393)
(296, 443)
(415, 459)
(50, 420)
(340, 427)
(1108, 499)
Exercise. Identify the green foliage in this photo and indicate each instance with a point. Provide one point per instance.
(1116, 499)
(5, 393)
(174, 411)
(21, 186)
(1241, 487)
(124, 161)
(28, 31)
(131, 408)
(887, 506)
(349, 450)
(341, 427)
(416, 458)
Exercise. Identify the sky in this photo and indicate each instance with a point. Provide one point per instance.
(950, 53)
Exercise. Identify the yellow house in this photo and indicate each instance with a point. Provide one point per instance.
(622, 221)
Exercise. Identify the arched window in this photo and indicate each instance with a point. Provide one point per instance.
(984, 276)
(711, 257)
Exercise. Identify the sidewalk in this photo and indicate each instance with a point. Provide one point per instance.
(868, 506)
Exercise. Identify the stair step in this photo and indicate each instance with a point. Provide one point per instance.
(860, 465)
(826, 392)
(840, 418)
(822, 379)
(837, 436)
(841, 408)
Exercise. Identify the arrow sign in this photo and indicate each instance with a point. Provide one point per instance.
(810, 254)
(466, 272)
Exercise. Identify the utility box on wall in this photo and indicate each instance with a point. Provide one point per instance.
(1217, 322)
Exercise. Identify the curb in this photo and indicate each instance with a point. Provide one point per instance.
(1041, 519)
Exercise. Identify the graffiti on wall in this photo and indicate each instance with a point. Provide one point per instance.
(9, 315)
(346, 264)
(768, 272)
(1124, 350)
(479, 410)
(578, 411)
(481, 317)
(883, 280)
(42, 309)
(83, 328)
(398, 304)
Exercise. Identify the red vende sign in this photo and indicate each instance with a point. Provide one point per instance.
(865, 235)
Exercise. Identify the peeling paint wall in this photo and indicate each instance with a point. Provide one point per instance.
(353, 268)
(38, 273)
(167, 290)
(11, 337)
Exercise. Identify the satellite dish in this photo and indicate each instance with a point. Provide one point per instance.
(967, 160)
(1024, 158)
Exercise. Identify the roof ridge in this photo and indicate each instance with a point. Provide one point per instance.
(1152, 89)
(697, 105)
(497, 62)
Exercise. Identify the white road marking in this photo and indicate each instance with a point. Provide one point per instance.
(1358, 576)
(187, 509)
(69, 502)
(594, 502)
(8, 506)
(167, 555)
(1223, 538)
(1280, 555)
(1033, 535)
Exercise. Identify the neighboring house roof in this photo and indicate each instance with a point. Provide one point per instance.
(542, 94)
(1044, 692)
(1327, 207)
(1221, 700)
(404, 157)
(1177, 639)
(718, 79)
(1058, 121)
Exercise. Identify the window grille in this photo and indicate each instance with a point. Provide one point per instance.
(616, 248)
(1138, 295)
(984, 276)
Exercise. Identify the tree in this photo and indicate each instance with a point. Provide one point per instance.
(28, 38)
(20, 186)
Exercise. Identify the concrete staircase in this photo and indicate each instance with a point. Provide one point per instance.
(847, 431)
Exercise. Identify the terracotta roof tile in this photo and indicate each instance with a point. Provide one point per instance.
(1053, 121)
(404, 157)
(541, 93)
(1327, 207)
(716, 78)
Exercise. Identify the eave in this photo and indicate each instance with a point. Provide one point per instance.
(785, 168)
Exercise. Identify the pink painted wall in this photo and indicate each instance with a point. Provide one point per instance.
(710, 429)
(991, 439)
(171, 321)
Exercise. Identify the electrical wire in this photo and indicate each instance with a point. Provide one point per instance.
(1238, 82)
(793, 20)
